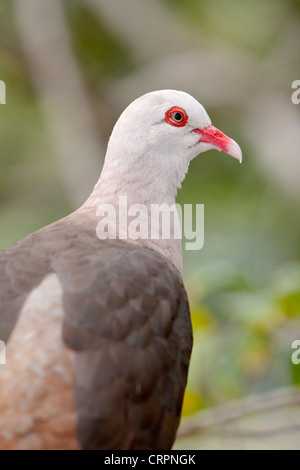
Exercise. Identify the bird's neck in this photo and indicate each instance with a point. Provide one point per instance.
(125, 192)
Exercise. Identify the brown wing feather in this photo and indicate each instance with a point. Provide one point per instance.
(21, 269)
(131, 328)
(127, 318)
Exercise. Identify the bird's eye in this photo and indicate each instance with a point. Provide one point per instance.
(176, 117)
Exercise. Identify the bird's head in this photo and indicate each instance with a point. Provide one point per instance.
(162, 132)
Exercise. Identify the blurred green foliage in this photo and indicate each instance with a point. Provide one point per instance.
(237, 22)
(243, 332)
(101, 54)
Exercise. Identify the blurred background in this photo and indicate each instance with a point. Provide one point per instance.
(70, 68)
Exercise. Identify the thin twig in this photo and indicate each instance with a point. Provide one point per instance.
(231, 411)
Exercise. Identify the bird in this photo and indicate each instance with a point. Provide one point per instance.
(98, 331)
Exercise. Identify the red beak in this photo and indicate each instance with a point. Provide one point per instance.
(212, 135)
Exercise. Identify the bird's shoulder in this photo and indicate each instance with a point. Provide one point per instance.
(94, 274)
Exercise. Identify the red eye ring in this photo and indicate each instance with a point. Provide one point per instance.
(176, 117)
